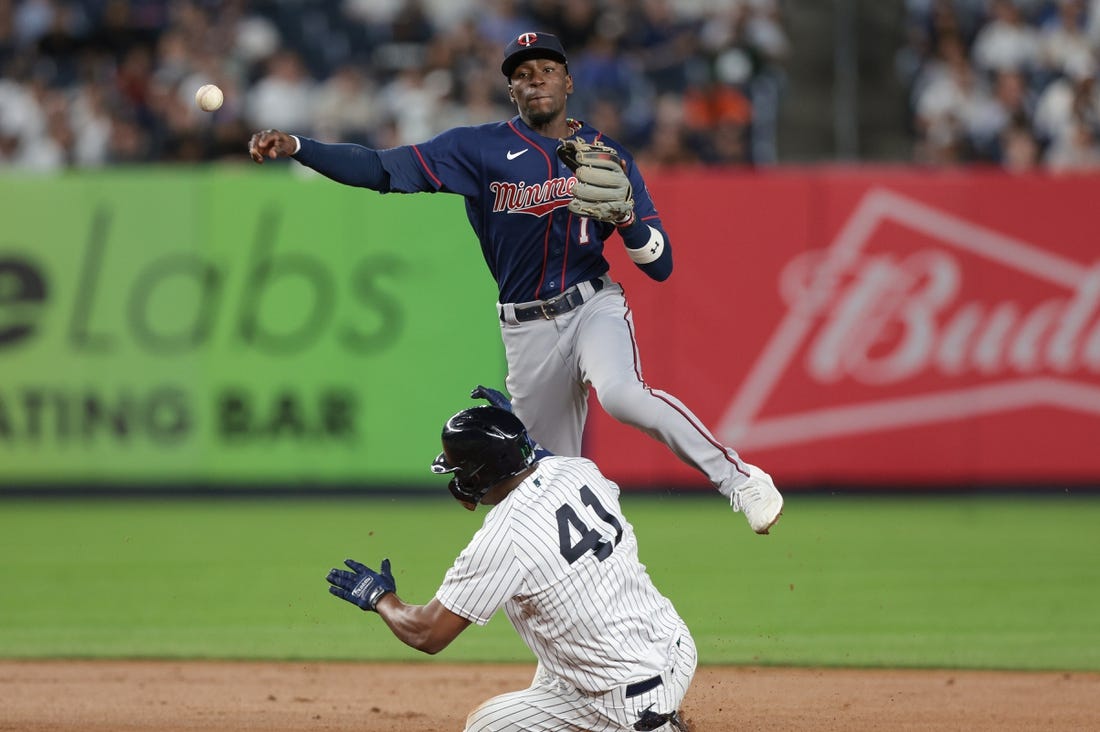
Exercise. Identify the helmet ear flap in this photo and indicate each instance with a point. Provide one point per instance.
(461, 496)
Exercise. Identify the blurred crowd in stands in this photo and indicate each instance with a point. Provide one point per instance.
(88, 83)
(1007, 82)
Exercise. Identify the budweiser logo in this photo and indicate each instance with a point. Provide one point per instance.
(900, 310)
(537, 199)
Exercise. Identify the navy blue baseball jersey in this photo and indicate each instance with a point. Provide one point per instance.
(516, 192)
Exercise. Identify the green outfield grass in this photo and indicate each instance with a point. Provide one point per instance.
(968, 582)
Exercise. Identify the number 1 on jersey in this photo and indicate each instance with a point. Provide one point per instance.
(591, 540)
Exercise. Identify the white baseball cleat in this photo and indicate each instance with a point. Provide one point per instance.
(758, 499)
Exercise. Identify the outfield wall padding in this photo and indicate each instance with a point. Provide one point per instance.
(231, 326)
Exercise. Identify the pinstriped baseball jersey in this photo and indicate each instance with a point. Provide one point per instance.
(561, 559)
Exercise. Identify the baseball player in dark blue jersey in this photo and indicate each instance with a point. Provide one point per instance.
(544, 193)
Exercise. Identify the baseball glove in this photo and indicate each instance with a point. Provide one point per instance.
(602, 190)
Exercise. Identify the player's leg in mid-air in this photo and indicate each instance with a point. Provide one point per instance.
(542, 381)
(607, 358)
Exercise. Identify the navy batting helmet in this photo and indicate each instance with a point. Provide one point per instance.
(481, 447)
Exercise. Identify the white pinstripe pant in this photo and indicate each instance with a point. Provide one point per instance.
(551, 704)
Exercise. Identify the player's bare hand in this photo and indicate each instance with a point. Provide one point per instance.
(270, 144)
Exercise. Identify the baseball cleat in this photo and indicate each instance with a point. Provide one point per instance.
(759, 500)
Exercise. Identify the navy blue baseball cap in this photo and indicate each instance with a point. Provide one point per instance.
(531, 45)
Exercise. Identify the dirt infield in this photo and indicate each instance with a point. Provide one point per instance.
(170, 696)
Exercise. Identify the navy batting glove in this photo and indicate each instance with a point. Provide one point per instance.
(362, 586)
(494, 397)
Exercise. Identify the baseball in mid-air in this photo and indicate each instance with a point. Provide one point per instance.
(209, 97)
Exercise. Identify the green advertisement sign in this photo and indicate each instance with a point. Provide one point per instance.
(227, 326)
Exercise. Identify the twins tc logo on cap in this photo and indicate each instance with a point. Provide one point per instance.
(531, 45)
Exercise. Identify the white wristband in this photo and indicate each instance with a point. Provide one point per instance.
(652, 250)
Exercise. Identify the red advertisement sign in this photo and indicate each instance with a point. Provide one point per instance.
(875, 327)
